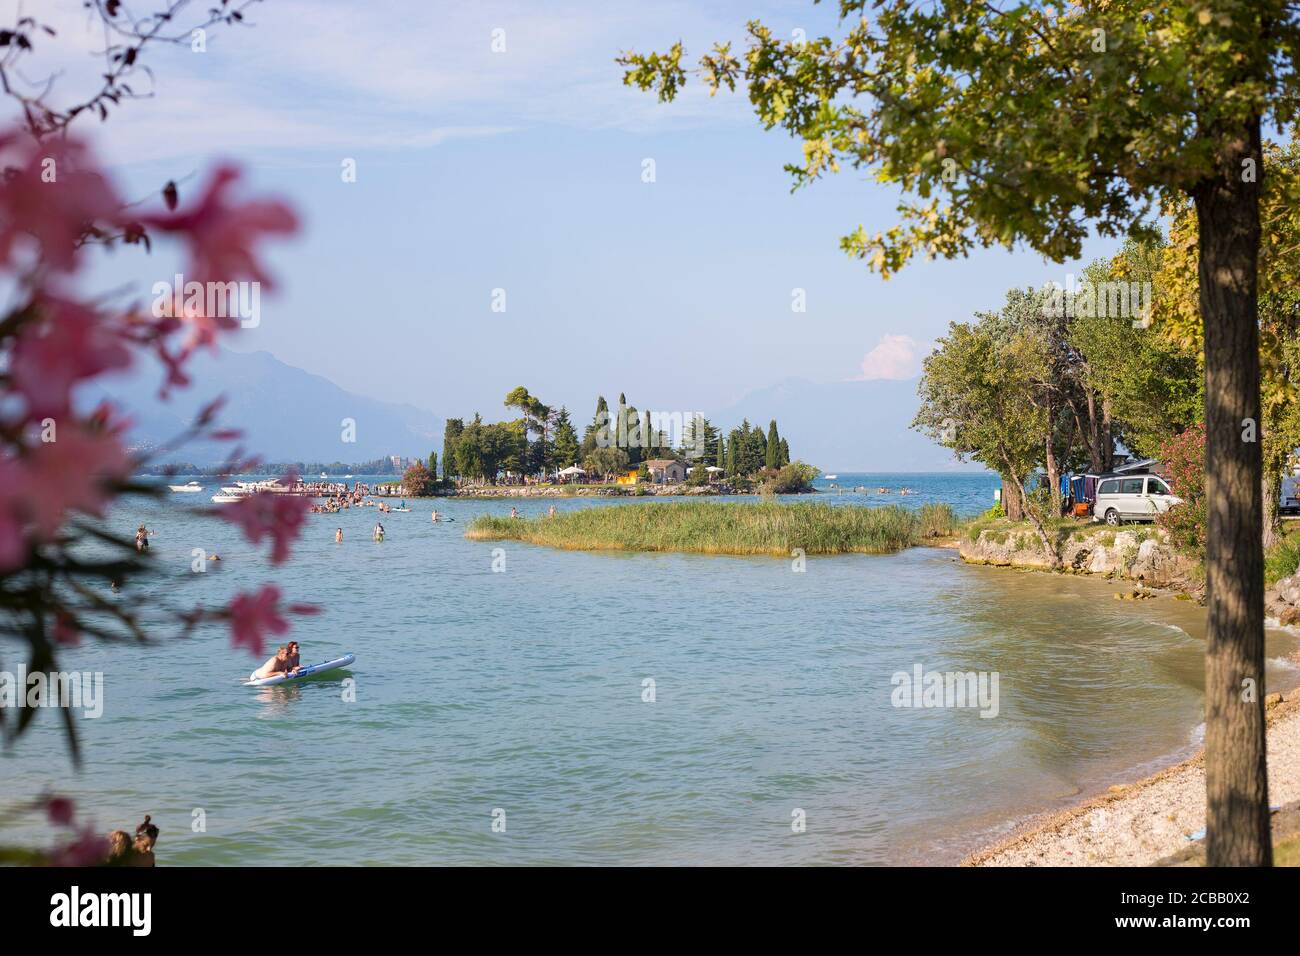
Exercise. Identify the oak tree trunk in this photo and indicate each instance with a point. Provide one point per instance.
(1107, 439)
(1030, 511)
(1053, 476)
(1272, 490)
(1094, 435)
(1236, 776)
(1012, 506)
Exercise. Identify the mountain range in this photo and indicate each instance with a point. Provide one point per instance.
(288, 414)
(285, 413)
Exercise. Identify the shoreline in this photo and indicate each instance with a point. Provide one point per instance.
(1147, 821)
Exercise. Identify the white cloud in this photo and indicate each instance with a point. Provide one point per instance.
(894, 357)
(389, 74)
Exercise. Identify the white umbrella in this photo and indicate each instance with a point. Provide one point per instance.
(573, 470)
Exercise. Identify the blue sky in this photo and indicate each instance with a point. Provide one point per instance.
(522, 170)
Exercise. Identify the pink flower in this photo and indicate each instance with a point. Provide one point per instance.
(269, 513)
(13, 542)
(72, 473)
(65, 630)
(60, 810)
(66, 345)
(54, 193)
(221, 234)
(88, 849)
(253, 616)
(204, 328)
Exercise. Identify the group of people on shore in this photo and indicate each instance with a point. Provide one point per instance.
(344, 502)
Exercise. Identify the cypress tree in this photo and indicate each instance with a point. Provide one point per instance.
(451, 434)
(600, 426)
(773, 457)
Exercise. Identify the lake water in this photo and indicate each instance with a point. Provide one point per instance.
(522, 691)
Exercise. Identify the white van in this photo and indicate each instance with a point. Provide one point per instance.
(1132, 498)
(1290, 502)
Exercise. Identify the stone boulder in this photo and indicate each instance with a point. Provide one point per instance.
(1288, 590)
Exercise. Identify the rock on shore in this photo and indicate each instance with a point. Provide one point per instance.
(1283, 601)
(1137, 555)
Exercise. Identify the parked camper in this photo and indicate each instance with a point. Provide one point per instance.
(1290, 503)
(1132, 498)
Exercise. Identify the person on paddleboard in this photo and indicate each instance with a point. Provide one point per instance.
(279, 664)
(291, 657)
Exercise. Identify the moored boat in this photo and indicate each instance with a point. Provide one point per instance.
(187, 487)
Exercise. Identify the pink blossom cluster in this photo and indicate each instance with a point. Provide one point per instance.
(1184, 456)
(56, 461)
(87, 846)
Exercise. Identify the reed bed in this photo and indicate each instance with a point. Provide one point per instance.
(758, 528)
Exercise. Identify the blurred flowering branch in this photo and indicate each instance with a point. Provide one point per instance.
(126, 37)
(63, 467)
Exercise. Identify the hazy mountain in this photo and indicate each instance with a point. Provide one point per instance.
(286, 414)
(846, 426)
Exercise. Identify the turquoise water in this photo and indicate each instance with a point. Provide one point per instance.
(968, 493)
(521, 690)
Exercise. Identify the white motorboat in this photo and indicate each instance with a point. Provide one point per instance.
(188, 486)
(253, 487)
(224, 499)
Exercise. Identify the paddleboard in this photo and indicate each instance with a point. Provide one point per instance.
(307, 671)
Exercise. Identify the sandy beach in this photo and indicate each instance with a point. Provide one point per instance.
(1142, 823)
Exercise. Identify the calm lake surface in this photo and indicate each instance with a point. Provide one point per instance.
(522, 690)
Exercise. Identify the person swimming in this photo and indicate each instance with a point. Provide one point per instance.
(379, 531)
(142, 539)
(279, 664)
(514, 512)
(338, 535)
(435, 514)
(124, 851)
